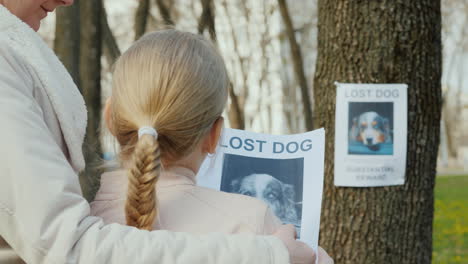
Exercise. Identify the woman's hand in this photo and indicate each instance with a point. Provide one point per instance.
(299, 252)
(323, 257)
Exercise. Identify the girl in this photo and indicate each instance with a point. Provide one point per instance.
(169, 91)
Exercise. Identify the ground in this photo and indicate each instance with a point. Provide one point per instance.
(450, 237)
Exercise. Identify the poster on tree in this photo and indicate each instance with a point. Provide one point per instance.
(370, 134)
(284, 171)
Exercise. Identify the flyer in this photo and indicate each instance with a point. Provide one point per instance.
(285, 171)
(370, 134)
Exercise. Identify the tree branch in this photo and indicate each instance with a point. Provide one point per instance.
(297, 64)
(236, 115)
(207, 19)
(110, 48)
(141, 18)
(165, 12)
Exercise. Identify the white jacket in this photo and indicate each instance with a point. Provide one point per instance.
(43, 215)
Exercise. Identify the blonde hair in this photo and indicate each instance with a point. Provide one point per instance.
(177, 83)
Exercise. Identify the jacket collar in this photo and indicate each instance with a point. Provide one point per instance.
(177, 176)
(64, 96)
(114, 183)
(6, 18)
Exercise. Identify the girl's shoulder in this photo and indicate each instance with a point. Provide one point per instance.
(237, 206)
(109, 201)
(113, 185)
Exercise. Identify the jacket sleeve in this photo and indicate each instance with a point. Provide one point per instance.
(45, 219)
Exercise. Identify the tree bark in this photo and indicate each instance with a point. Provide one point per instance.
(67, 39)
(298, 65)
(381, 42)
(90, 77)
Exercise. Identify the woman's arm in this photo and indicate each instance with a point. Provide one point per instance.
(44, 217)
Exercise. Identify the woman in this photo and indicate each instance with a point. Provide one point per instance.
(43, 215)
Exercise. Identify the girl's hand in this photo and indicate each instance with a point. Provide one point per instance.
(299, 252)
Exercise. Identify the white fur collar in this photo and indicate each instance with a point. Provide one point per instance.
(65, 98)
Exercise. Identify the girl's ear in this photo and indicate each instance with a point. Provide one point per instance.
(107, 115)
(212, 139)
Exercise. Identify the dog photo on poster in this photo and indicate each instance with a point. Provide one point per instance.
(370, 134)
(277, 182)
(283, 171)
(370, 128)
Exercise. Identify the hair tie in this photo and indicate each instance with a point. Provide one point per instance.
(147, 130)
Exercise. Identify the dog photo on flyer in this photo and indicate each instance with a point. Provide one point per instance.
(370, 134)
(370, 128)
(277, 182)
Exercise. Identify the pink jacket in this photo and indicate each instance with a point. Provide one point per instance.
(183, 206)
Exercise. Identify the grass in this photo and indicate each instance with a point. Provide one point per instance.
(450, 237)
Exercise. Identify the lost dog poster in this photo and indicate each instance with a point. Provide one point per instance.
(286, 172)
(370, 134)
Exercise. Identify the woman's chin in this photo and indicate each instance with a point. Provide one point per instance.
(35, 24)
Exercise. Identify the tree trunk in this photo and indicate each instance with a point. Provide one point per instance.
(67, 39)
(381, 42)
(90, 77)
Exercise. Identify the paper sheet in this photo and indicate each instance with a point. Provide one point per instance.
(370, 134)
(286, 172)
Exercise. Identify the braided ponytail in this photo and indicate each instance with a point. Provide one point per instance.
(140, 207)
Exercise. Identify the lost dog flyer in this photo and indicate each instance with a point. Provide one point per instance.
(370, 134)
(285, 171)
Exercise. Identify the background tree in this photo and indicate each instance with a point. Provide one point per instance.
(207, 19)
(141, 18)
(82, 35)
(67, 42)
(248, 38)
(381, 42)
(90, 82)
(110, 48)
(165, 11)
(454, 32)
(298, 64)
(303, 15)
